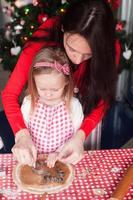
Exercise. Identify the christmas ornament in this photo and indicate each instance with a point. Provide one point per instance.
(17, 32)
(15, 50)
(35, 2)
(8, 34)
(21, 3)
(8, 31)
(127, 53)
(22, 22)
(18, 27)
(119, 26)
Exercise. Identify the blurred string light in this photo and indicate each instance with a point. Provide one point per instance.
(26, 10)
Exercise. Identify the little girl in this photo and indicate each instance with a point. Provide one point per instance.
(50, 111)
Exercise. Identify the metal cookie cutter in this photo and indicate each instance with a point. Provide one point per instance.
(39, 168)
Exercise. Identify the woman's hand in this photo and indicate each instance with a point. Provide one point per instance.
(73, 150)
(24, 149)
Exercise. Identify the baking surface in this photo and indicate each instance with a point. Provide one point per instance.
(97, 176)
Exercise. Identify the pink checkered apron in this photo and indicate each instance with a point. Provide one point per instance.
(50, 127)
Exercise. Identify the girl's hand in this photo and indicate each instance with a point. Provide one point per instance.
(24, 149)
(73, 150)
(51, 159)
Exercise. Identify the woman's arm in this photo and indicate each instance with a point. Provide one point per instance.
(73, 151)
(19, 77)
(94, 118)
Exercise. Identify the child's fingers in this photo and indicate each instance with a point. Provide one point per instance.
(34, 154)
(52, 158)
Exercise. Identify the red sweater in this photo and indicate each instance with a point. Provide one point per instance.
(19, 77)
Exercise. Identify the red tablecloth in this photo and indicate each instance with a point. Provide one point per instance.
(97, 175)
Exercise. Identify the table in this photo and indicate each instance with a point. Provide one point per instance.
(97, 175)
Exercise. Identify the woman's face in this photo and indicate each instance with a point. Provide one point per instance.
(77, 48)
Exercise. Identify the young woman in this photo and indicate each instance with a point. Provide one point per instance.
(87, 33)
(51, 113)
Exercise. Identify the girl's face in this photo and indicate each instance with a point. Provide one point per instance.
(77, 48)
(50, 87)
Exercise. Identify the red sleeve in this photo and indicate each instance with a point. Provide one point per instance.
(19, 77)
(94, 118)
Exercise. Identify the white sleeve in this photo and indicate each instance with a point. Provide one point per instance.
(76, 113)
(25, 108)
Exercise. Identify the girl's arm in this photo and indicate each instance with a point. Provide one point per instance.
(19, 77)
(76, 113)
(26, 109)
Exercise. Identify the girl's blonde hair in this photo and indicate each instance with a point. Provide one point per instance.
(50, 54)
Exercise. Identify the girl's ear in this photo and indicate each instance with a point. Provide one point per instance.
(66, 82)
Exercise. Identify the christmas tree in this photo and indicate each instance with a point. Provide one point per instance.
(26, 15)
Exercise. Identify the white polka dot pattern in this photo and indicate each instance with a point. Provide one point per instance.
(50, 127)
(96, 177)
